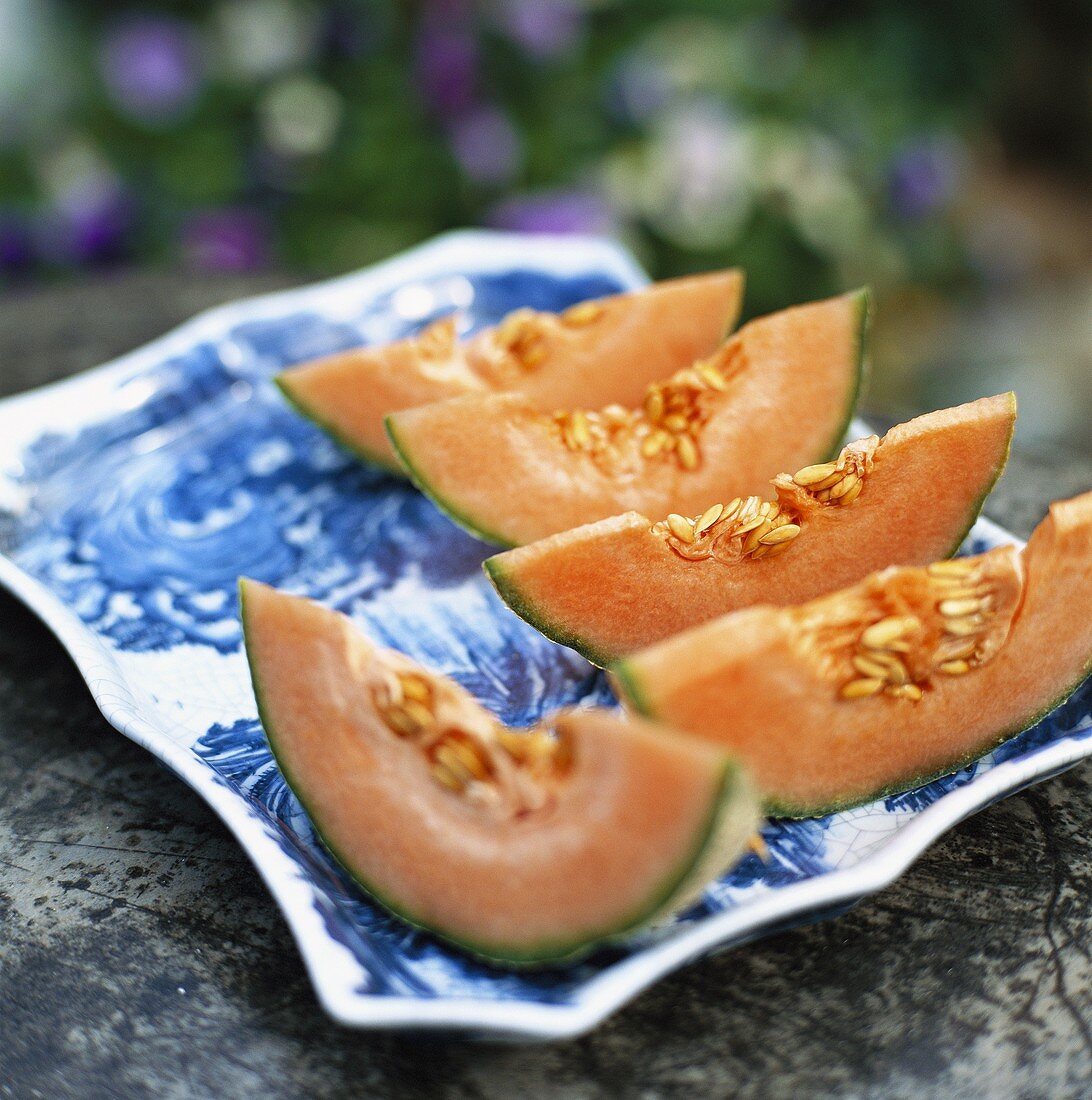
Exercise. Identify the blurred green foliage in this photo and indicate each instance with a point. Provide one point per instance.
(817, 144)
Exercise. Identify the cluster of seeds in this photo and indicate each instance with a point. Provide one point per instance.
(583, 313)
(878, 660)
(522, 336)
(963, 603)
(746, 527)
(672, 415)
(749, 527)
(407, 704)
(437, 342)
(667, 426)
(459, 760)
(840, 482)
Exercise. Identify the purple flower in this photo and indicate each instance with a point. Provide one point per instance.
(152, 67)
(91, 223)
(561, 211)
(447, 66)
(486, 145)
(227, 240)
(923, 178)
(545, 28)
(16, 243)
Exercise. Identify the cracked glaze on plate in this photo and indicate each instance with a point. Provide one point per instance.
(131, 499)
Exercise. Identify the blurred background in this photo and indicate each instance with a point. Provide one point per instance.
(941, 151)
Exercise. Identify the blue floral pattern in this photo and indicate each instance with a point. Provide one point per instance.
(139, 522)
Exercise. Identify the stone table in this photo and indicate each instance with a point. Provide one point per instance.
(140, 954)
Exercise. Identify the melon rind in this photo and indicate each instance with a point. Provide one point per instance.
(409, 468)
(509, 591)
(635, 686)
(712, 296)
(780, 809)
(504, 572)
(856, 370)
(734, 815)
(283, 382)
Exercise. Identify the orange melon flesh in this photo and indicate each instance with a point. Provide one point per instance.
(634, 338)
(615, 586)
(791, 385)
(748, 682)
(637, 825)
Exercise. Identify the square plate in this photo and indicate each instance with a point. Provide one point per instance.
(131, 499)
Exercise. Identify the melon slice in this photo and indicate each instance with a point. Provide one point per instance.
(595, 352)
(521, 846)
(621, 584)
(882, 686)
(777, 396)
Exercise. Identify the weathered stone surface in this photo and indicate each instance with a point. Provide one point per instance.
(140, 954)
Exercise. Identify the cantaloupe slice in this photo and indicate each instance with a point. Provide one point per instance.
(621, 584)
(777, 396)
(882, 686)
(522, 846)
(596, 352)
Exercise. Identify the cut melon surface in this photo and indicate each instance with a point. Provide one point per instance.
(523, 846)
(879, 687)
(612, 587)
(599, 351)
(776, 396)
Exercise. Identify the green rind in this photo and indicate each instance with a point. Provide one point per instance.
(979, 504)
(511, 594)
(449, 510)
(864, 328)
(736, 817)
(508, 587)
(283, 382)
(732, 787)
(864, 313)
(629, 684)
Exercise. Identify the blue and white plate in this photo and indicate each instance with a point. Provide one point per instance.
(132, 498)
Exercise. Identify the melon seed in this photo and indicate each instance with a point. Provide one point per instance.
(467, 756)
(872, 669)
(954, 668)
(780, 534)
(964, 628)
(447, 777)
(860, 689)
(689, 457)
(583, 314)
(881, 634)
(896, 671)
(757, 535)
(956, 567)
(810, 475)
(850, 481)
(414, 687)
(960, 608)
(852, 495)
(680, 528)
(711, 376)
(708, 518)
(579, 427)
(401, 722)
(654, 443)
